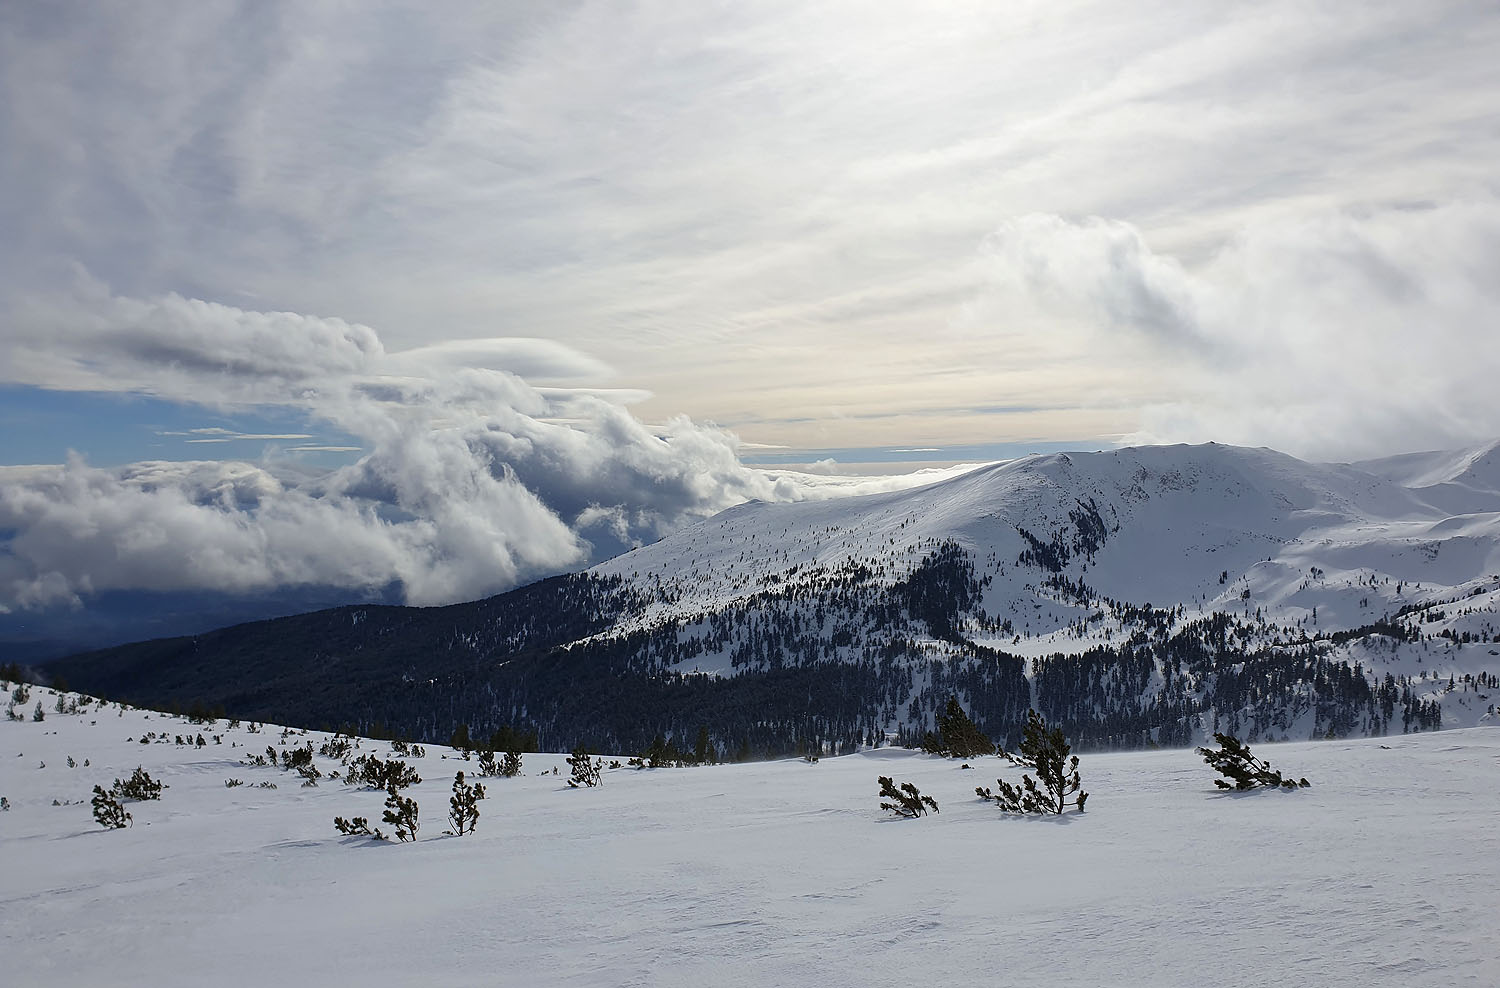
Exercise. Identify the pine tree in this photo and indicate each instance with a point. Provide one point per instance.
(463, 812)
(358, 827)
(108, 811)
(140, 785)
(376, 774)
(459, 741)
(507, 766)
(586, 771)
(1232, 759)
(957, 736)
(906, 801)
(1047, 750)
(401, 813)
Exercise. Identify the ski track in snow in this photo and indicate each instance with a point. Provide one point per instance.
(775, 873)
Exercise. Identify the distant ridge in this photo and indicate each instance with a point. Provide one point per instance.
(1140, 596)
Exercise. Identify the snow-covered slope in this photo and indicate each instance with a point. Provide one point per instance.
(1381, 874)
(1068, 547)
(1173, 519)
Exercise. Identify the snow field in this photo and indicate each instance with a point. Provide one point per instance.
(1383, 873)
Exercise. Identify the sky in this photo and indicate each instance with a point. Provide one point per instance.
(319, 294)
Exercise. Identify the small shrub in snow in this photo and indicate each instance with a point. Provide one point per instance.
(463, 811)
(1232, 759)
(586, 771)
(140, 785)
(370, 771)
(1047, 750)
(232, 783)
(358, 827)
(506, 766)
(296, 759)
(401, 813)
(108, 811)
(337, 746)
(907, 801)
(4, 805)
(39, 714)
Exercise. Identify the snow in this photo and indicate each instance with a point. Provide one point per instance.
(1291, 549)
(1383, 873)
(1181, 516)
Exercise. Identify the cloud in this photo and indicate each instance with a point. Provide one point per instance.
(178, 348)
(827, 226)
(534, 359)
(763, 215)
(473, 480)
(1336, 334)
(216, 434)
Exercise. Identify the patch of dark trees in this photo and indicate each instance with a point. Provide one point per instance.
(823, 664)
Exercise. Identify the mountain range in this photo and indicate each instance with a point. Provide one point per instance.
(1142, 596)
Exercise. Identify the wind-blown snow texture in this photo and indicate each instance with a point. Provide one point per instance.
(1383, 873)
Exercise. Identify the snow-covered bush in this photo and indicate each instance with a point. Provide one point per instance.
(907, 801)
(1232, 759)
(1047, 750)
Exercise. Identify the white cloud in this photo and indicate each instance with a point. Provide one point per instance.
(1336, 335)
(473, 481)
(763, 215)
(826, 225)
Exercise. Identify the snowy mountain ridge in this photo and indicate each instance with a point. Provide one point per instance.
(1168, 522)
(1138, 596)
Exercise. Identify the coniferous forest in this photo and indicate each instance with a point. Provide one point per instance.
(829, 663)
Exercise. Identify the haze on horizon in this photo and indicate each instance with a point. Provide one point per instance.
(301, 294)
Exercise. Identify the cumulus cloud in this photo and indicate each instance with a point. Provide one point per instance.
(473, 480)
